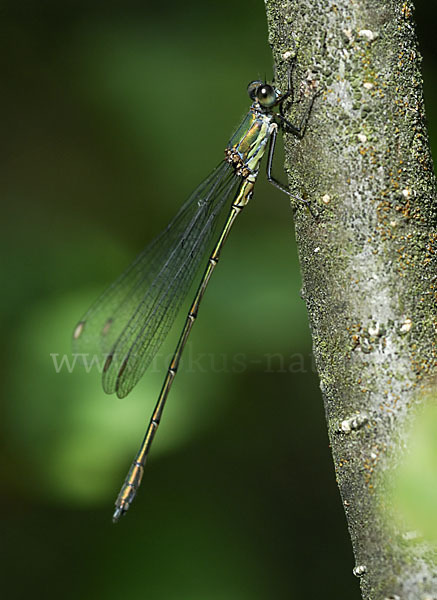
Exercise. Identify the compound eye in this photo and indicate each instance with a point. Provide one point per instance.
(252, 88)
(265, 95)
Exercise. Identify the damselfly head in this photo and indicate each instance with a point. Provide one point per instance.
(262, 92)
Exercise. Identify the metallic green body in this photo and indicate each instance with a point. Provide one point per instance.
(248, 144)
(244, 152)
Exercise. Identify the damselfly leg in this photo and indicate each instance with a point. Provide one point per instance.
(296, 130)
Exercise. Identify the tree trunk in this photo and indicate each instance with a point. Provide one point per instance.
(367, 259)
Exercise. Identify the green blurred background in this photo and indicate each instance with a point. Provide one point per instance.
(112, 113)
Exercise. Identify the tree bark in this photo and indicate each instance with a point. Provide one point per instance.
(368, 259)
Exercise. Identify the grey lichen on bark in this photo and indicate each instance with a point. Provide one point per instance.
(368, 260)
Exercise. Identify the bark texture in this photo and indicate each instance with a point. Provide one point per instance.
(368, 261)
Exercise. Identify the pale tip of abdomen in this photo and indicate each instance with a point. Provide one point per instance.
(118, 512)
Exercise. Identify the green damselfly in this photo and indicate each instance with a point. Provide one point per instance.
(129, 322)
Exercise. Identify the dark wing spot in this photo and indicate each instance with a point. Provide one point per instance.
(108, 362)
(122, 369)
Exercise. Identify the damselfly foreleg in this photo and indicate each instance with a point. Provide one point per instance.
(297, 130)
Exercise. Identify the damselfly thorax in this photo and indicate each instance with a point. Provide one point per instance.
(249, 143)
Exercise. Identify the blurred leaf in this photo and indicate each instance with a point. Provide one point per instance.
(77, 439)
(415, 492)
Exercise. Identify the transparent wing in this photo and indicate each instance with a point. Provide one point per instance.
(126, 326)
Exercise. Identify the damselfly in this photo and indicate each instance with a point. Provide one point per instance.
(128, 323)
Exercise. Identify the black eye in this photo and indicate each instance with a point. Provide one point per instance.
(265, 95)
(252, 88)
